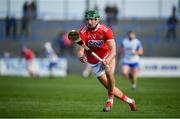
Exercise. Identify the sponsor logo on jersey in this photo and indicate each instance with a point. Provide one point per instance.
(95, 43)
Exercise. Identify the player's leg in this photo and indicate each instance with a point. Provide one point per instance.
(109, 71)
(109, 101)
(108, 81)
(118, 93)
(99, 70)
(52, 66)
(51, 71)
(35, 69)
(31, 68)
(133, 75)
(109, 75)
(30, 72)
(125, 70)
(130, 71)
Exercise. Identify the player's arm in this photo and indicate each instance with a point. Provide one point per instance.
(80, 51)
(111, 45)
(139, 50)
(81, 54)
(112, 48)
(121, 50)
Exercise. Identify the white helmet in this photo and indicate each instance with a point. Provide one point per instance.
(47, 45)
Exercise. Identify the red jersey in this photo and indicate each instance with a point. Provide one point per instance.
(96, 40)
(27, 53)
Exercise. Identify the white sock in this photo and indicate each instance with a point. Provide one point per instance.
(110, 100)
(133, 85)
(129, 100)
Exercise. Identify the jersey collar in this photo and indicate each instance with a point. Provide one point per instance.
(97, 27)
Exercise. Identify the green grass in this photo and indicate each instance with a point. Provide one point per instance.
(74, 96)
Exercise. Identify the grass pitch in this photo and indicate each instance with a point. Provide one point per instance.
(74, 96)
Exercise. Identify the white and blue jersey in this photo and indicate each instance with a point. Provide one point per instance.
(129, 58)
(52, 56)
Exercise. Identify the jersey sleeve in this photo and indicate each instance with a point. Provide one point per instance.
(139, 46)
(109, 35)
(82, 36)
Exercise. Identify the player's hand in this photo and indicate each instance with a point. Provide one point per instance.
(105, 63)
(134, 52)
(83, 59)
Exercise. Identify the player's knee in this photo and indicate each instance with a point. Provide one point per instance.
(113, 81)
(123, 73)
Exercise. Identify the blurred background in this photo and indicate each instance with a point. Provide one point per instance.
(31, 23)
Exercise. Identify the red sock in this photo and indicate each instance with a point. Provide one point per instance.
(123, 98)
(110, 95)
(126, 99)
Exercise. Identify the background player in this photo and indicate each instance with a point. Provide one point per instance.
(87, 71)
(30, 61)
(130, 50)
(99, 38)
(53, 58)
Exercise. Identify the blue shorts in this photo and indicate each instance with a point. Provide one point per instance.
(131, 65)
(52, 65)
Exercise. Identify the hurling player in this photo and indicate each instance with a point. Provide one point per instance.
(30, 61)
(99, 38)
(53, 58)
(130, 50)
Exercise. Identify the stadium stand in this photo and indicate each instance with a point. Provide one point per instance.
(150, 32)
